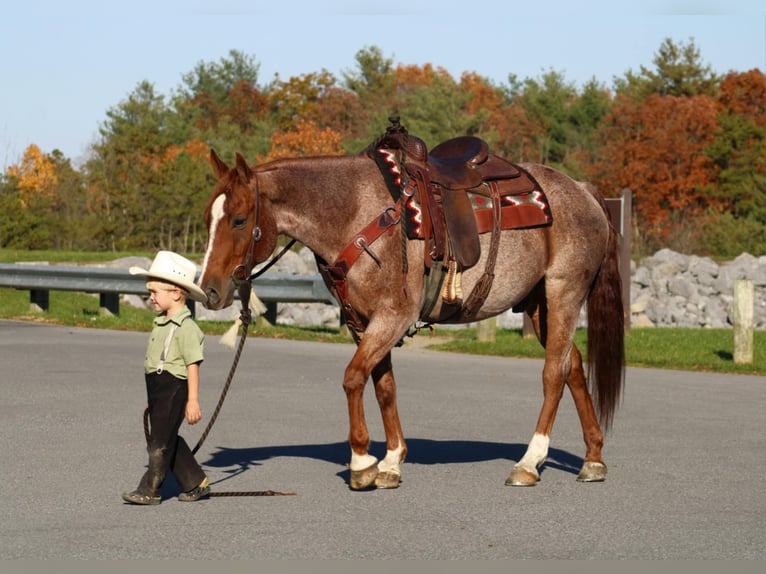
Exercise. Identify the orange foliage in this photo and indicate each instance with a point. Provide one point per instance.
(655, 148)
(485, 97)
(745, 94)
(36, 176)
(307, 139)
(197, 149)
(246, 102)
(519, 137)
(412, 76)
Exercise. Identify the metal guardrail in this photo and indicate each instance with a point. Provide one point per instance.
(110, 283)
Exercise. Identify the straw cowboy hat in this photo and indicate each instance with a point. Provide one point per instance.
(172, 268)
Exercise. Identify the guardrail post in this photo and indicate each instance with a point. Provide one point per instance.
(109, 303)
(271, 312)
(39, 300)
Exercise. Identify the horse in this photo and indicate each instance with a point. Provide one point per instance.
(342, 208)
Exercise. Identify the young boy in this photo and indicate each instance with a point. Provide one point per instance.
(171, 368)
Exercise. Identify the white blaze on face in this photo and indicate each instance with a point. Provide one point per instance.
(216, 216)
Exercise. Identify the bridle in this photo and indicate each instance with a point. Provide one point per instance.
(241, 274)
(242, 271)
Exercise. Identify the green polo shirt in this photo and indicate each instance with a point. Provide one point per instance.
(186, 346)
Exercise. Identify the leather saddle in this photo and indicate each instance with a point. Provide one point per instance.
(447, 178)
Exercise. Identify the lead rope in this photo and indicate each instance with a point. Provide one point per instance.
(246, 317)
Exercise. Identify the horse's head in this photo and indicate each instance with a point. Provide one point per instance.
(241, 231)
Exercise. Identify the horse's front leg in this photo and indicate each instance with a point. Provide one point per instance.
(364, 466)
(389, 471)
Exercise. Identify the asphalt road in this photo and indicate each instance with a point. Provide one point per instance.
(686, 460)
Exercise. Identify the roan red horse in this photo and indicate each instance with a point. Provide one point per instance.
(404, 237)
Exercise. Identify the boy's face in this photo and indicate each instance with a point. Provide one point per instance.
(163, 298)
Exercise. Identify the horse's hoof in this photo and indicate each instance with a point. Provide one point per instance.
(388, 479)
(363, 479)
(522, 477)
(592, 472)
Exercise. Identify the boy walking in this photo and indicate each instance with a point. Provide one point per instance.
(171, 368)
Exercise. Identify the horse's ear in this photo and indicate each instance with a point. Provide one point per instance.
(244, 170)
(219, 168)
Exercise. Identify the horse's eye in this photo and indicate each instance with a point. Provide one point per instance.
(238, 221)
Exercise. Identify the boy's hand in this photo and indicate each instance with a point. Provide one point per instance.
(193, 412)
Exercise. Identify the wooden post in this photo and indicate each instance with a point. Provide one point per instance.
(620, 210)
(485, 330)
(743, 321)
(527, 328)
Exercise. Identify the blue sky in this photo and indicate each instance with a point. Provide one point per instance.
(66, 62)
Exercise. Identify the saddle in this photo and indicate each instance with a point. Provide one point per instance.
(451, 196)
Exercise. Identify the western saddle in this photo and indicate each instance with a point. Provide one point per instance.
(450, 197)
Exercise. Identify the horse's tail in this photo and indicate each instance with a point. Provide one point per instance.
(606, 333)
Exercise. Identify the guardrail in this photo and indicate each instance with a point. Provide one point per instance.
(109, 283)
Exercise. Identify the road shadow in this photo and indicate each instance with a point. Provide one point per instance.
(420, 451)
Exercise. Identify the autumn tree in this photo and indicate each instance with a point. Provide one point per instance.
(317, 99)
(305, 139)
(656, 148)
(41, 203)
(223, 88)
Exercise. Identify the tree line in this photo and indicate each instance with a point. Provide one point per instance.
(688, 143)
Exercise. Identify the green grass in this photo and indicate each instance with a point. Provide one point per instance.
(82, 310)
(70, 257)
(664, 348)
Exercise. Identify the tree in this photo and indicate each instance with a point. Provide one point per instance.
(373, 84)
(124, 174)
(551, 123)
(306, 139)
(210, 86)
(656, 148)
(678, 71)
(36, 177)
(738, 150)
(431, 104)
(299, 98)
(42, 203)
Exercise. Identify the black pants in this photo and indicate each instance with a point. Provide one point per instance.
(167, 397)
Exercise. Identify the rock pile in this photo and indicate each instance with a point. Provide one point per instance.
(670, 289)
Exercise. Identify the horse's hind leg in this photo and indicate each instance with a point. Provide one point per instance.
(593, 469)
(524, 472)
(554, 319)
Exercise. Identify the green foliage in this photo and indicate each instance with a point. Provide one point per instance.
(678, 71)
(727, 236)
